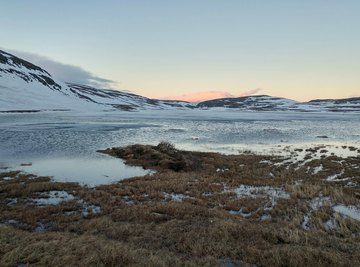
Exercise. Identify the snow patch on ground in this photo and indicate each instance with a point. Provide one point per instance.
(315, 204)
(306, 222)
(334, 177)
(177, 197)
(349, 211)
(52, 198)
(89, 209)
(302, 154)
(241, 213)
(128, 201)
(58, 197)
(331, 224)
(318, 169)
(318, 202)
(7, 178)
(273, 194)
(259, 191)
(265, 217)
(222, 169)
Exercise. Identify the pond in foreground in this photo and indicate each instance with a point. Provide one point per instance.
(89, 172)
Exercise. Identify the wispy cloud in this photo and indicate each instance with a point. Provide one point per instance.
(65, 72)
(251, 92)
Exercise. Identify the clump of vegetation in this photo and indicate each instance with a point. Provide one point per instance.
(164, 156)
(166, 147)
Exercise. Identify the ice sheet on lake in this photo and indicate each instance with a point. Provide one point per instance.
(36, 137)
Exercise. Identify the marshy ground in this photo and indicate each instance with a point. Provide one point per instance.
(196, 209)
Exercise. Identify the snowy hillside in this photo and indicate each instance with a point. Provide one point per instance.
(121, 100)
(258, 103)
(269, 103)
(336, 105)
(27, 87)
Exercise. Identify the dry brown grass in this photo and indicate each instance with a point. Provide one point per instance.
(140, 226)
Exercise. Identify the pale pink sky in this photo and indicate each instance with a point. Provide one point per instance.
(199, 96)
(202, 96)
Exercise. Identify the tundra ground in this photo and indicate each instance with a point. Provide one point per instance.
(196, 209)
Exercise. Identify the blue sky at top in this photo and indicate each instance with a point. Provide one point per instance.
(296, 49)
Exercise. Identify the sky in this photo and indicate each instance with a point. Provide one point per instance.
(165, 48)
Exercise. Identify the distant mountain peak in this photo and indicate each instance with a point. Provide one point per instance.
(27, 87)
(26, 71)
(338, 101)
(253, 102)
(14, 61)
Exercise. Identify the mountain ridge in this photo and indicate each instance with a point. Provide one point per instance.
(15, 63)
(270, 103)
(27, 87)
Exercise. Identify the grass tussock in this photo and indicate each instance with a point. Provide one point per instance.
(186, 214)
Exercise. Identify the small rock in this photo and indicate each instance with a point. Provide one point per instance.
(322, 136)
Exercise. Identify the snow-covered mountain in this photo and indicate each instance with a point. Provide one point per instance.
(258, 103)
(269, 103)
(121, 100)
(27, 87)
(336, 105)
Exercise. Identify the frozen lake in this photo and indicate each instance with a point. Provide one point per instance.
(64, 145)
